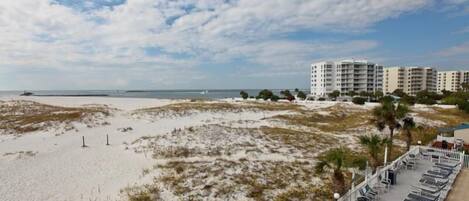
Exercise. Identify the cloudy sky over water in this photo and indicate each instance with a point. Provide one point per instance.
(181, 44)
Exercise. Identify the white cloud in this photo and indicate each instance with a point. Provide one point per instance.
(458, 50)
(41, 34)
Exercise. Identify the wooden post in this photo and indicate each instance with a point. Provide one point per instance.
(107, 139)
(83, 137)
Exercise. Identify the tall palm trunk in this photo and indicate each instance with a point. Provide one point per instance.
(409, 139)
(339, 182)
(391, 137)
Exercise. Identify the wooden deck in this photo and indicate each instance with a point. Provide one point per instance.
(460, 187)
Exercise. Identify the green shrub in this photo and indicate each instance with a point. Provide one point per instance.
(359, 100)
(274, 98)
(386, 99)
(265, 94)
(451, 100)
(244, 95)
(409, 100)
(301, 95)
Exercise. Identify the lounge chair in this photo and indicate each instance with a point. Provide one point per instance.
(428, 189)
(433, 181)
(443, 173)
(448, 165)
(417, 197)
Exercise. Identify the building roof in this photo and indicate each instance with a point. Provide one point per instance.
(462, 126)
(451, 129)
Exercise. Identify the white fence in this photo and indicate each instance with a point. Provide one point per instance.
(431, 153)
(382, 172)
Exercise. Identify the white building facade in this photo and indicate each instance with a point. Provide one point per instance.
(410, 80)
(345, 76)
(452, 80)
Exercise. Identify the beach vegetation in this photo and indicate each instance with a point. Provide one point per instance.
(336, 160)
(244, 95)
(334, 94)
(388, 115)
(359, 100)
(374, 145)
(301, 95)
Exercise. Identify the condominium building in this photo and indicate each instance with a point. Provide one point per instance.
(345, 76)
(451, 80)
(409, 79)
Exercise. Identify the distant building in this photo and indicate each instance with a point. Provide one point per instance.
(451, 80)
(345, 76)
(409, 79)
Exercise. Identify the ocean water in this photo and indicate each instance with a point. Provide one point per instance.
(162, 94)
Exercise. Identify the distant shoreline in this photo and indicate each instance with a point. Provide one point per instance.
(76, 95)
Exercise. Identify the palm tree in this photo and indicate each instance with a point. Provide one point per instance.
(407, 126)
(337, 159)
(374, 144)
(388, 115)
(465, 86)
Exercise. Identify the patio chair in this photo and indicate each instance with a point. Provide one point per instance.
(372, 191)
(408, 164)
(363, 199)
(366, 194)
(418, 197)
(384, 181)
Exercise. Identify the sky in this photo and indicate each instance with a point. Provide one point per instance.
(218, 44)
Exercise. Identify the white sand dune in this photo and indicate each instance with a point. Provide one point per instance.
(62, 170)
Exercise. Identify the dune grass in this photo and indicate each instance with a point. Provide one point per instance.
(258, 180)
(203, 106)
(338, 119)
(451, 117)
(307, 142)
(26, 116)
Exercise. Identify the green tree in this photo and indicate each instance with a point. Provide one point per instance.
(274, 98)
(334, 94)
(408, 100)
(287, 95)
(452, 100)
(465, 86)
(337, 160)
(426, 97)
(301, 95)
(407, 125)
(364, 94)
(388, 115)
(374, 144)
(446, 93)
(359, 100)
(399, 92)
(297, 90)
(352, 93)
(244, 94)
(265, 94)
(378, 95)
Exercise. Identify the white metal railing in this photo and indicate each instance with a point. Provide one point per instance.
(381, 173)
(431, 153)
